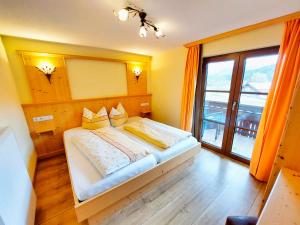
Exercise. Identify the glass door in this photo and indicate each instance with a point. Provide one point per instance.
(217, 97)
(234, 89)
(256, 70)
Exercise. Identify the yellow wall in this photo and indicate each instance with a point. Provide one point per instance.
(167, 79)
(11, 113)
(12, 44)
(264, 37)
(168, 68)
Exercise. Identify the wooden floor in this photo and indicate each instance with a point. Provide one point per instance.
(205, 192)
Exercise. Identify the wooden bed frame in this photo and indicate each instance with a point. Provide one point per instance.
(89, 208)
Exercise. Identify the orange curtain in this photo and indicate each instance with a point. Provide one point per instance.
(188, 92)
(274, 116)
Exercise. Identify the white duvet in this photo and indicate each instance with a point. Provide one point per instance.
(108, 157)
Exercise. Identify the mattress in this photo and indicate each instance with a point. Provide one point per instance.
(87, 180)
(160, 154)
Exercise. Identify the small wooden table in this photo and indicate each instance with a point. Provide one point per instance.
(283, 204)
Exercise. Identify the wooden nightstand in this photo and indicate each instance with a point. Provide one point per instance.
(146, 114)
(45, 139)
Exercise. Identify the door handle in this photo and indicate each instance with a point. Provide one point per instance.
(233, 105)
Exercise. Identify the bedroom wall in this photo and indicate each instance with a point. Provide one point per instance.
(167, 79)
(11, 113)
(12, 44)
(168, 68)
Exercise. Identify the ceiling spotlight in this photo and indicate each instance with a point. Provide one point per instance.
(143, 31)
(123, 15)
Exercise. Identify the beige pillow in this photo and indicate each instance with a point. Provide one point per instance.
(93, 121)
(118, 116)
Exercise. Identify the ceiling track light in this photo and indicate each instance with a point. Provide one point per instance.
(123, 15)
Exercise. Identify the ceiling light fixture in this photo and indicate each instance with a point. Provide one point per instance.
(123, 15)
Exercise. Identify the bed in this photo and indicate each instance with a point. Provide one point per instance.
(93, 193)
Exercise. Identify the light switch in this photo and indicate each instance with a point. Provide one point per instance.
(42, 118)
(145, 104)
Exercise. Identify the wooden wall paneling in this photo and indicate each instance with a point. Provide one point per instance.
(68, 115)
(134, 86)
(59, 89)
(41, 89)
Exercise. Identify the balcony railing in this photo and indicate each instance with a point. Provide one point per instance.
(247, 119)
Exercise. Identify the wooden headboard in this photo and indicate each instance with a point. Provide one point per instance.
(48, 135)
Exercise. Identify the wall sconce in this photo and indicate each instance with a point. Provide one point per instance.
(47, 69)
(137, 72)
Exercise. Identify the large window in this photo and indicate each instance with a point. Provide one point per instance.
(233, 92)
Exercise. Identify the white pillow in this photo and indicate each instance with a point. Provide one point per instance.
(118, 116)
(102, 112)
(92, 121)
(114, 112)
(120, 108)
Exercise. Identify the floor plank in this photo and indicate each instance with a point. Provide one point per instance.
(204, 192)
(53, 189)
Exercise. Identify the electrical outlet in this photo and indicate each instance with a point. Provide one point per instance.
(145, 104)
(42, 118)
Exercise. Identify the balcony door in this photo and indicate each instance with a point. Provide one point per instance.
(233, 92)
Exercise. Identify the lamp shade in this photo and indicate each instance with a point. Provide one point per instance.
(46, 67)
(123, 14)
(143, 31)
(137, 71)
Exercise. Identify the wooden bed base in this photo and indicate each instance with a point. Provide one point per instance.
(92, 206)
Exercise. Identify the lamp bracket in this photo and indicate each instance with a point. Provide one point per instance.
(48, 75)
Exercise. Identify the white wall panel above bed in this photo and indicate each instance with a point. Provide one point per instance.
(94, 79)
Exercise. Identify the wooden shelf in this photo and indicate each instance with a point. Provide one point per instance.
(45, 127)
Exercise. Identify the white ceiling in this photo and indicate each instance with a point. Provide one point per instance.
(92, 22)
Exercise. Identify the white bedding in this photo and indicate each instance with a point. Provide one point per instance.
(104, 156)
(86, 179)
(160, 154)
